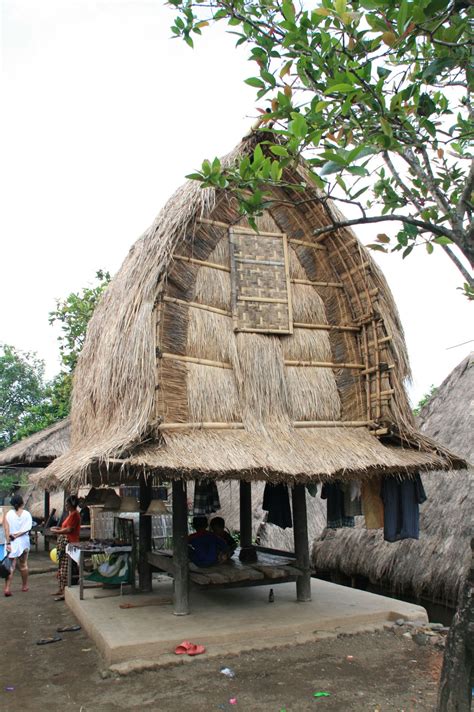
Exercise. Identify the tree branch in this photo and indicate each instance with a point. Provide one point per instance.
(404, 188)
(469, 279)
(428, 227)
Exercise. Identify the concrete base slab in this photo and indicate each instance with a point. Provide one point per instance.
(228, 621)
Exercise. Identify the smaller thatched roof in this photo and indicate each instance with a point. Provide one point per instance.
(39, 449)
(435, 565)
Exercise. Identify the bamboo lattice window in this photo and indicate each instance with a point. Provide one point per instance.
(261, 296)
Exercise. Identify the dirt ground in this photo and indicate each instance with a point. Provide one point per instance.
(388, 673)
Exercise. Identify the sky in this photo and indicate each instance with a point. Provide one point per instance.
(103, 116)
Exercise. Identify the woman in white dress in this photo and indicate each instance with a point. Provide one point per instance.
(17, 524)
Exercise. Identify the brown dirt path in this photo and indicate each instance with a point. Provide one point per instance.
(389, 673)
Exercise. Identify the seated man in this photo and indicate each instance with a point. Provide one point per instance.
(205, 548)
(217, 525)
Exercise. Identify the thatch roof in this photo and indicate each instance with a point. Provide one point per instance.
(166, 384)
(435, 565)
(39, 449)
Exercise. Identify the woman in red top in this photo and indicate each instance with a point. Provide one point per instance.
(68, 533)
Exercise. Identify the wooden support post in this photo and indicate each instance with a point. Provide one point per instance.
(144, 539)
(47, 509)
(300, 531)
(180, 549)
(245, 514)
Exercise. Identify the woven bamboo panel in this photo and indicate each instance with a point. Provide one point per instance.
(261, 297)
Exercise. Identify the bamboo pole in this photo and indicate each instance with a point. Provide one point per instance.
(352, 271)
(192, 359)
(201, 426)
(326, 327)
(304, 243)
(268, 300)
(332, 423)
(339, 285)
(201, 263)
(288, 287)
(258, 330)
(196, 305)
(367, 372)
(237, 228)
(324, 364)
(383, 394)
(378, 385)
(373, 369)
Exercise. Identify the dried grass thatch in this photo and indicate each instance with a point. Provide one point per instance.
(39, 449)
(162, 354)
(436, 565)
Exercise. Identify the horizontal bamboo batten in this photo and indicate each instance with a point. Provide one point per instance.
(349, 272)
(201, 263)
(196, 305)
(324, 364)
(326, 327)
(304, 243)
(383, 394)
(374, 369)
(192, 359)
(268, 300)
(256, 330)
(240, 426)
(332, 423)
(201, 426)
(339, 285)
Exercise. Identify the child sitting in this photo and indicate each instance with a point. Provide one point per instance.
(217, 525)
(205, 547)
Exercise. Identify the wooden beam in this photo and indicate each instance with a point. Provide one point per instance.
(180, 549)
(245, 514)
(46, 511)
(201, 263)
(144, 540)
(300, 531)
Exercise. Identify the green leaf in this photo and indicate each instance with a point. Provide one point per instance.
(279, 151)
(377, 248)
(298, 125)
(440, 240)
(330, 167)
(255, 82)
(429, 248)
(276, 171)
(407, 251)
(382, 237)
(258, 156)
(288, 10)
(195, 176)
(340, 88)
(340, 6)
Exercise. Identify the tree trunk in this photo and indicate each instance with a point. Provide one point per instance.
(455, 687)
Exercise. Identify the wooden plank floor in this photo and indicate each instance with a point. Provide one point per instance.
(267, 569)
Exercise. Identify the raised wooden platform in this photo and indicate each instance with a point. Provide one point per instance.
(268, 569)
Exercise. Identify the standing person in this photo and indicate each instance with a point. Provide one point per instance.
(68, 533)
(17, 524)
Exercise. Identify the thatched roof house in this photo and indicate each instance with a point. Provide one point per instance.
(220, 352)
(39, 449)
(436, 565)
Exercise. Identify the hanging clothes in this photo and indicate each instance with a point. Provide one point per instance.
(277, 503)
(372, 505)
(336, 514)
(312, 489)
(206, 497)
(401, 499)
(352, 503)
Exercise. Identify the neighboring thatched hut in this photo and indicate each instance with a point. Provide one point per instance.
(435, 566)
(221, 352)
(39, 449)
